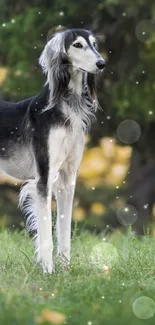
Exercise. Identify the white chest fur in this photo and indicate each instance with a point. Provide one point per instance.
(63, 144)
(65, 152)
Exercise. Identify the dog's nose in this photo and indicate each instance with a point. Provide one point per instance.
(100, 64)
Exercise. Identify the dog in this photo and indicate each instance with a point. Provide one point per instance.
(42, 138)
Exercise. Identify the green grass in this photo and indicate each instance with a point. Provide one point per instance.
(84, 293)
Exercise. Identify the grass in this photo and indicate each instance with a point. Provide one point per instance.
(88, 293)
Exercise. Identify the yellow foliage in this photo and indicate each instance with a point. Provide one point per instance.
(108, 147)
(116, 174)
(107, 163)
(119, 170)
(79, 214)
(51, 317)
(93, 182)
(97, 208)
(122, 154)
(93, 164)
(153, 211)
(3, 74)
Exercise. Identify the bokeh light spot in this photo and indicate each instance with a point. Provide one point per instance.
(104, 254)
(143, 307)
(128, 131)
(145, 30)
(127, 215)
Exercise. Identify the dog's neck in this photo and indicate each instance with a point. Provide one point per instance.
(76, 104)
(76, 83)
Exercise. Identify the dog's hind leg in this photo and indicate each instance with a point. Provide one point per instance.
(27, 204)
(35, 202)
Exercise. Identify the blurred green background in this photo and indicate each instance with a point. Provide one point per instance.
(117, 174)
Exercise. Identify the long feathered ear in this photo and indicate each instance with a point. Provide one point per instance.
(54, 63)
(91, 82)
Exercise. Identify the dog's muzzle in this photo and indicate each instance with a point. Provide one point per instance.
(101, 64)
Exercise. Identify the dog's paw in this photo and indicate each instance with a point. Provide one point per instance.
(47, 268)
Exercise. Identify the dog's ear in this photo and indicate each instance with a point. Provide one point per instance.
(91, 82)
(60, 77)
(54, 62)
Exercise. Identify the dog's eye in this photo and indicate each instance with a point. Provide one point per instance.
(94, 44)
(78, 45)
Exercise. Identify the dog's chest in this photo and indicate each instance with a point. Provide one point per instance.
(63, 143)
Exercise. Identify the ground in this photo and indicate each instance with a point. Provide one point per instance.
(102, 286)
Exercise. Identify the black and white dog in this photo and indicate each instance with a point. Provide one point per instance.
(42, 137)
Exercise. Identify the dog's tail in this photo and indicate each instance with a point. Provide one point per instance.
(27, 204)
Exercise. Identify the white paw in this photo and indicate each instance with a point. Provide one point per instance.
(46, 264)
(47, 269)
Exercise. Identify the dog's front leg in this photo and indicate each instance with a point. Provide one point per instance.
(64, 190)
(64, 197)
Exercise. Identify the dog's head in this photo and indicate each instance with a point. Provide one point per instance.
(82, 51)
(73, 49)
